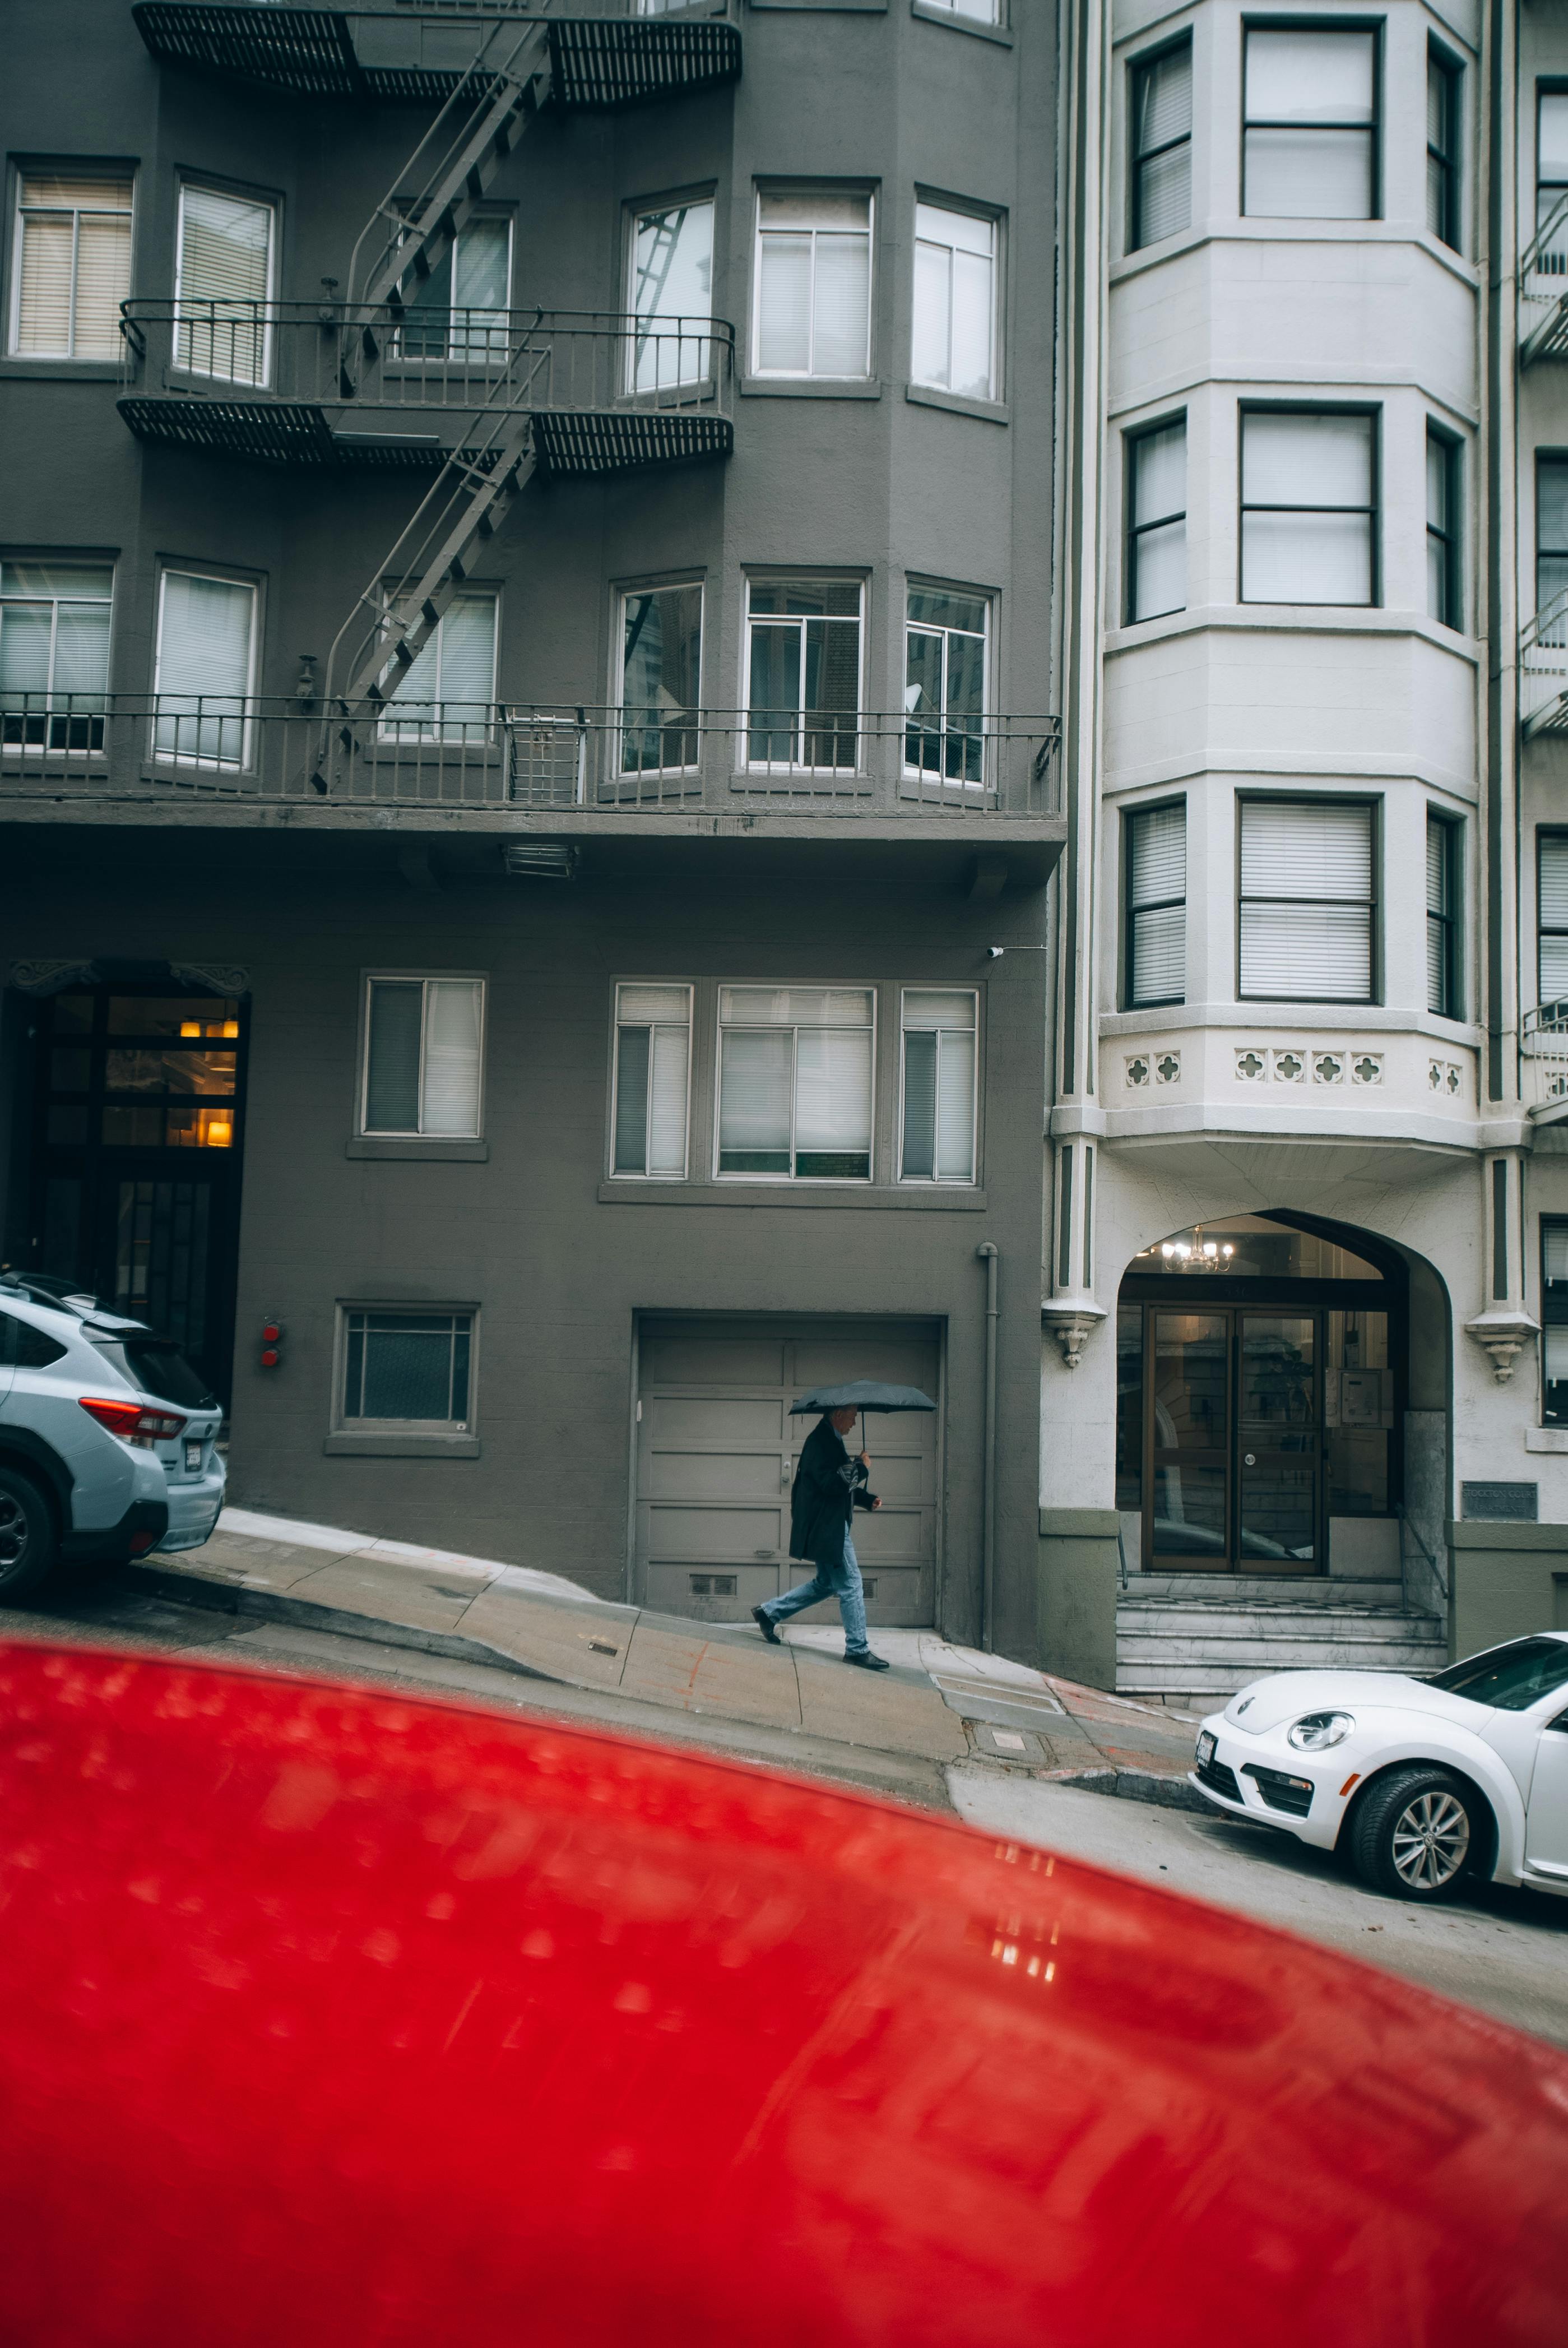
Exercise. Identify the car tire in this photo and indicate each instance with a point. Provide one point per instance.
(1417, 1834)
(29, 1541)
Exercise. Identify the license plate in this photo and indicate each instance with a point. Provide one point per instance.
(193, 1456)
(1205, 1749)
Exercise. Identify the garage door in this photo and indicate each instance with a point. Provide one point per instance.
(716, 1457)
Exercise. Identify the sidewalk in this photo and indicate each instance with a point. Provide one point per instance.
(938, 1703)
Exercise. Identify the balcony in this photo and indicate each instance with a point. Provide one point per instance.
(1544, 292)
(1543, 671)
(1544, 1042)
(626, 52)
(573, 773)
(335, 385)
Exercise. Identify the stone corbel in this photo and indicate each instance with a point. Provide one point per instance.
(212, 977)
(1503, 1332)
(1071, 1320)
(49, 977)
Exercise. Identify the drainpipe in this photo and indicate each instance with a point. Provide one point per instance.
(986, 1251)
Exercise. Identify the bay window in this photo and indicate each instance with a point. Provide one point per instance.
(813, 285)
(1157, 521)
(671, 295)
(1308, 926)
(1161, 142)
(945, 640)
(1309, 144)
(955, 305)
(1444, 880)
(1445, 131)
(795, 1081)
(1155, 924)
(803, 671)
(661, 679)
(1308, 507)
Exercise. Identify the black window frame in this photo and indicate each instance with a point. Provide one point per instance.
(1374, 27)
(1546, 835)
(1137, 527)
(1545, 461)
(1138, 69)
(1449, 916)
(1447, 160)
(1374, 903)
(1131, 999)
(1450, 537)
(1554, 1315)
(1374, 512)
(1548, 86)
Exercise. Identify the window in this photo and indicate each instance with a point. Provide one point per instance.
(1552, 544)
(1551, 916)
(1157, 521)
(72, 265)
(1445, 598)
(1444, 992)
(460, 309)
(222, 284)
(803, 673)
(1444, 132)
(1309, 509)
(423, 1056)
(814, 285)
(1552, 175)
(54, 653)
(661, 677)
(449, 688)
(204, 669)
(1308, 909)
(939, 1122)
(1554, 1320)
(945, 684)
(979, 12)
(410, 1369)
(672, 295)
(652, 1062)
(954, 341)
(1161, 145)
(795, 1082)
(1156, 925)
(1309, 146)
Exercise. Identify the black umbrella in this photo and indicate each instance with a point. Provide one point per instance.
(861, 1395)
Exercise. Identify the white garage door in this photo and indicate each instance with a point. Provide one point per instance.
(717, 1450)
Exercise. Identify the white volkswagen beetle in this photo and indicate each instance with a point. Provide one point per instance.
(1419, 1782)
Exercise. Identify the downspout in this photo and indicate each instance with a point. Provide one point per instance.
(986, 1251)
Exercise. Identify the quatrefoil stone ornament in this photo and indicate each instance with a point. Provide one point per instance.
(1168, 1067)
(1328, 1068)
(1287, 1068)
(1138, 1071)
(1368, 1069)
(1248, 1066)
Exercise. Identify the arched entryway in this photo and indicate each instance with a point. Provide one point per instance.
(1262, 1377)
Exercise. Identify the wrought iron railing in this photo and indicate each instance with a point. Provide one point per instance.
(1544, 1044)
(1543, 290)
(186, 748)
(1543, 669)
(440, 363)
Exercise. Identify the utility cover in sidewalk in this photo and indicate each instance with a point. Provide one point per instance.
(1017, 1745)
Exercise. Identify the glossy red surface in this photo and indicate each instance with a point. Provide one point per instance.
(330, 2017)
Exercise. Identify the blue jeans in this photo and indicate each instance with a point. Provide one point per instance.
(836, 1577)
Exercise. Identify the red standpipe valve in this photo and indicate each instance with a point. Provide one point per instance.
(272, 1343)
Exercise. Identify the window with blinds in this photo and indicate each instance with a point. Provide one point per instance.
(652, 1080)
(938, 1126)
(1551, 916)
(661, 680)
(1157, 520)
(1445, 88)
(204, 669)
(423, 1057)
(55, 652)
(72, 265)
(1309, 146)
(671, 295)
(953, 345)
(1554, 1320)
(1161, 145)
(1445, 595)
(1156, 929)
(461, 310)
(1552, 550)
(1551, 176)
(223, 286)
(813, 286)
(803, 673)
(795, 1082)
(1308, 507)
(1308, 923)
(447, 692)
(1444, 879)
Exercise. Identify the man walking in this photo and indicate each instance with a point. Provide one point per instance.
(829, 1486)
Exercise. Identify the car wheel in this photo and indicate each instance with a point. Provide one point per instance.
(1415, 1835)
(27, 1540)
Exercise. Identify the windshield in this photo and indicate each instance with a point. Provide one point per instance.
(1509, 1678)
(160, 1369)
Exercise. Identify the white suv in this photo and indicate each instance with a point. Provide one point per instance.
(108, 1435)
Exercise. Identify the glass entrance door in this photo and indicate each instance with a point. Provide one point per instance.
(1190, 1393)
(1234, 1441)
(1280, 1467)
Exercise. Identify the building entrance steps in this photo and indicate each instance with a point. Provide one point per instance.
(1191, 1641)
(938, 1704)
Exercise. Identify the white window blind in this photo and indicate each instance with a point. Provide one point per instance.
(1162, 96)
(447, 691)
(795, 1081)
(53, 653)
(939, 1068)
(460, 309)
(423, 1055)
(653, 1058)
(72, 265)
(223, 284)
(1309, 145)
(1308, 517)
(1552, 882)
(1156, 905)
(206, 632)
(1157, 522)
(1307, 900)
(954, 341)
(1443, 910)
(1552, 172)
(672, 294)
(814, 285)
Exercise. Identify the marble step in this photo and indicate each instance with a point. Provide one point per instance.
(1264, 1589)
(1310, 1624)
(1222, 1675)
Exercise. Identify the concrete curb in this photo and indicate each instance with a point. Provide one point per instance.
(1134, 1786)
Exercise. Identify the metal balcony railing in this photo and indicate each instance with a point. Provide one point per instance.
(1543, 670)
(1544, 1045)
(328, 381)
(1544, 291)
(186, 747)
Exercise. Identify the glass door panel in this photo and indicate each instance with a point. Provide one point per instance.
(1190, 1403)
(1279, 1442)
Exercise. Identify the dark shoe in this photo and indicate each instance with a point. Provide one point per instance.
(765, 1624)
(865, 1659)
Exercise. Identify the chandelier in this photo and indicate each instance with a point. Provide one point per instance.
(1197, 1254)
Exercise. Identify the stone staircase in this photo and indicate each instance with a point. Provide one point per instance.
(1190, 1640)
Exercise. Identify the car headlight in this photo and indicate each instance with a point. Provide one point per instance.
(1314, 1731)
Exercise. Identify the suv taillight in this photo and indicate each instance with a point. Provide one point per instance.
(133, 1422)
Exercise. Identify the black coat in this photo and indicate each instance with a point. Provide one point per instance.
(829, 1486)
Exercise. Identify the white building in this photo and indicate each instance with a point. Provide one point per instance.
(1304, 1396)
